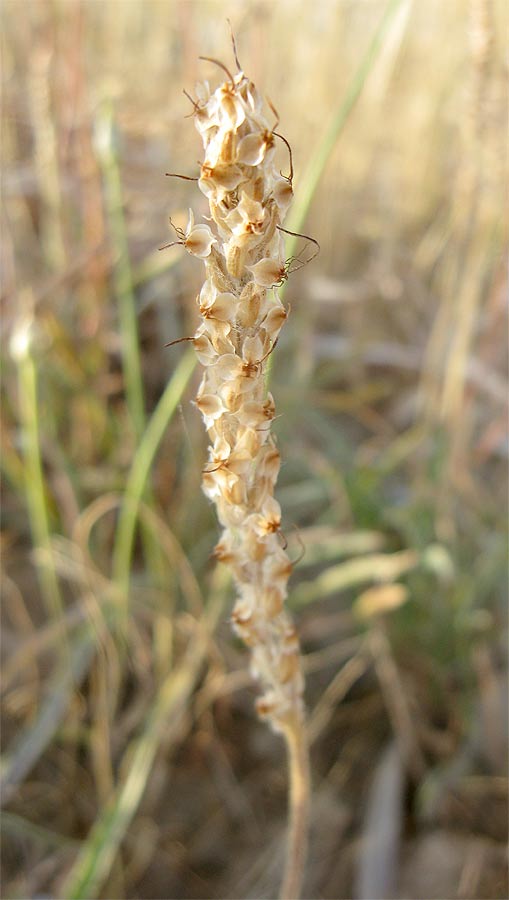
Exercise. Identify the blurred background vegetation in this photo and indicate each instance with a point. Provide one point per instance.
(134, 765)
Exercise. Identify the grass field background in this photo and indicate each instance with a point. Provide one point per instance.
(133, 762)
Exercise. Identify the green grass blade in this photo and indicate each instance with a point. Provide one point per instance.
(34, 487)
(311, 179)
(131, 357)
(142, 464)
(128, 318)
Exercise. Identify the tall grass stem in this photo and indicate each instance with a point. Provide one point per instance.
(128, 318)
(141, 467)
(34, 483)
(299, 800)
(313, 174)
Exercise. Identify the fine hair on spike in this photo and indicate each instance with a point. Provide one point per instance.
(221, 65)
(179, 341)
(180, 234)
(184, 177)
(196, 106)
(220, 464)
(289, 177)
(276, 114)
(177, 230)
(274, 345)
(302, 547)
(171, 244)
(302, 262)
(234, 45)
(283, 538)
(275, 133)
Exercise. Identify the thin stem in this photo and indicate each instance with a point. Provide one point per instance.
(35, 489)
(299, 788)
(319, 160)
(99, 850)
(127, 312)
(140, 469)
(314, 172)
(128, 316)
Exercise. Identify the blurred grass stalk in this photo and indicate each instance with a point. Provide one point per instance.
(463, 275)
(163, 722)
(478, 247)
(34, 486)
(317, 165)
(106, 149)
(313, 174)
(32, 742)
(46, 159)
(141, 467)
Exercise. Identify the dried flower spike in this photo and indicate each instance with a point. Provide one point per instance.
(241, 317)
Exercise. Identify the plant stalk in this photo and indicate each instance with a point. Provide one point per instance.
(299, 786)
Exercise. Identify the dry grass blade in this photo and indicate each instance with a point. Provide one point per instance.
(396, 701)
(316, 167)
(27, 749)
(334, 693)
(372, 567)
(164, 721)
(379, 858)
